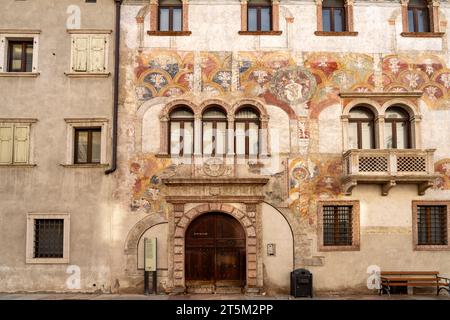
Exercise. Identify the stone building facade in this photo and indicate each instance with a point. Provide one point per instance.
(320, 149)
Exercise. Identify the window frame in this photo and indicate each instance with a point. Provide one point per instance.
(258, 8)
(414, 8)
(170, 7)
(12, 35)
(23, 58)
(394, 124)
(415, 228)
(182, 121)
(29, 123)
(79, 123)
(355, 225)
(359, 122)
(89, 130)
(30, 237)
(332, 25)
(214, 128)
(247, 121)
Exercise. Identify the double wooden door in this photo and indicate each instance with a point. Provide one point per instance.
(215, 250)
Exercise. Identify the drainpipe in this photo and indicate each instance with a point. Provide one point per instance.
(116, 89)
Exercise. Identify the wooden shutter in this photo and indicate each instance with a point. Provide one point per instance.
(6, 143)
(21, 145)
(97, 53)
(80, 53)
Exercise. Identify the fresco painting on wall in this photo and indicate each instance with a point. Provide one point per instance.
(443, 167)
(427, 73)
(164, 74)
(148, 190)
(312, 178)
(216, 72)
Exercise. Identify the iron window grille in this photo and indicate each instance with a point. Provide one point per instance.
(337, 225)
(432, 225)
(48, 238)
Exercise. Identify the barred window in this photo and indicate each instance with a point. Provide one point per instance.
(48, 238)
(432, 225)
(337, 225)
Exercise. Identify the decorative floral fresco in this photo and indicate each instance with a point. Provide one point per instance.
(164, 74)
(443, 167)
(312, 178)
(216, 72)
(427, 73)
(148, 190)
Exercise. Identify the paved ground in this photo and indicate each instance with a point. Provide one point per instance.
(77, 296)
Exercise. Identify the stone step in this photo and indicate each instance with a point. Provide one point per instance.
(228, 290)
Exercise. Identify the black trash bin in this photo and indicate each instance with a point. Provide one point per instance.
(301, 283)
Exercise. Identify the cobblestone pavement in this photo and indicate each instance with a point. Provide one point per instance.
(81, 296)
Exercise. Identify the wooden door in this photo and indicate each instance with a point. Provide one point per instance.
(215, 250)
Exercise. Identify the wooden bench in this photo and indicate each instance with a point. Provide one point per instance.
(391, 279)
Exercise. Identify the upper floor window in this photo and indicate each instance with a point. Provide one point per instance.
(89, 53)
(181, 131)
(170, 15)
(214, 132)
(20, 55)
(259, 15)
(418, 16)
(361, 132)
(333, 16)
(247, 132)
(397, 133)
(87, 145)
(14, 143)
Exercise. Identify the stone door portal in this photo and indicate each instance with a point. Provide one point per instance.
(215, 251)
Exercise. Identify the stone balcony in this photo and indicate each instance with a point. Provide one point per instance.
(388, 167)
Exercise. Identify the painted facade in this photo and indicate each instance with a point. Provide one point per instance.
(303, 86)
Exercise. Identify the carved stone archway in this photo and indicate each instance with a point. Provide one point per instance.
(246, 218)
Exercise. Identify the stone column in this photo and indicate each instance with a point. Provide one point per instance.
(405, 15)
(230, 140)
(176, 252)
(164, 138)
(275, 15)
(349, 14)
(243, 15)
(198, 135)
(415, 132)
(319, 15)
(344, 121)
(153, 15)
(379, 132)
(433, 8)
(185, 26)
(264, 136)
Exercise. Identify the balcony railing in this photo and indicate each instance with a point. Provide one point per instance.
(389, 167)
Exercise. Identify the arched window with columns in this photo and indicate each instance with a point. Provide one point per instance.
(260, 17)
(214, 131)
(361, 128)
(169, 17)
(247, 127)
(181, 131)
(397, 128)
(420, 18)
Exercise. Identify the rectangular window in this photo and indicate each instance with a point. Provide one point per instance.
(87, 145)
(89, 53)
(48, 238)
(170, 18)
(14, 143)
(20, 55)
(432, 225)
(337, 225)
(259, 18)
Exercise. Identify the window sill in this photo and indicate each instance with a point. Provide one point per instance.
(336, 34)
(25, 165)
(431, 248)
(90, 165)
(163, 155)
(19, 74)
(422, 34)
(87, 75)
(169, 33)
(260, 33)
(338, 248)
(47, 260)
